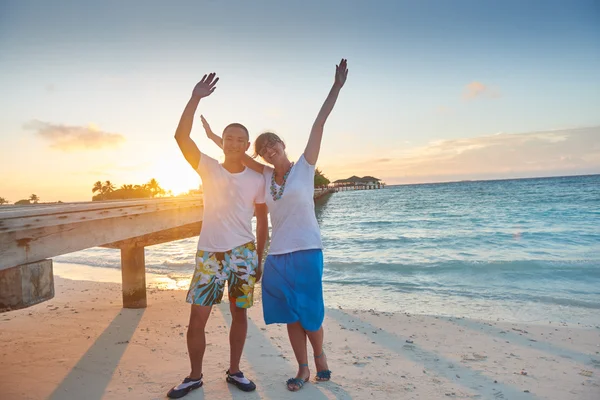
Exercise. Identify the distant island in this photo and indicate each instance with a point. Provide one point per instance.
(107, 191)
(33, 199)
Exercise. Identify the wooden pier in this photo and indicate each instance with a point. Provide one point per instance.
(30, 236)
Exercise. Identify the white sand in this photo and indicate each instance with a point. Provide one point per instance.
(83, 345)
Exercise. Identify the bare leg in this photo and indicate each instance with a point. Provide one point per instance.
(297, 336)
(316, 340)
(237, 335)
(196, 338)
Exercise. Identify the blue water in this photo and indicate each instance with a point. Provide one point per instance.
(520, 250)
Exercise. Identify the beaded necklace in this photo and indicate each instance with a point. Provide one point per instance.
(276, 194)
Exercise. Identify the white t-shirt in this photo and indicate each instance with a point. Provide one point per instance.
(228, 205)
(293, 216)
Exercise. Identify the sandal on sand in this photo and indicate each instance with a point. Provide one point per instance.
(325, 374)
(299, 382)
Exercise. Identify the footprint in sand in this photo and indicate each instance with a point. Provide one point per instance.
(473, 357)
(585, 372)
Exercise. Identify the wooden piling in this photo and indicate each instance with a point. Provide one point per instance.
(25, 285)
(133, 273)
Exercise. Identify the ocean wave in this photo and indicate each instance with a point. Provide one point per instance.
(463, 234)
(582, 266)
(500, 295)
(176, 264)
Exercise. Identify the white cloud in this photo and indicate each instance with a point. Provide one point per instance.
(68, 138)
(503, 155)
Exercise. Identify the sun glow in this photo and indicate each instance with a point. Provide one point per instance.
(175, 176)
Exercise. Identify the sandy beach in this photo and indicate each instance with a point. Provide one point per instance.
(83, 345)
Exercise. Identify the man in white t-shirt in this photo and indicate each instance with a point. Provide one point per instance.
(226, 247)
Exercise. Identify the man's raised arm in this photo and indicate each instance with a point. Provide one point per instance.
(190, 151)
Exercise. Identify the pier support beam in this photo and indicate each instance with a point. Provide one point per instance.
(26, 285)
(133, 273)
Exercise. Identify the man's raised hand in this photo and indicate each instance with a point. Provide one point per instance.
(206, 86)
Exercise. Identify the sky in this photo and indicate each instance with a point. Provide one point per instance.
(437, 90)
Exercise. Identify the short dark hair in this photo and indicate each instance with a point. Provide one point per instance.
(237, 125)
(262, 139)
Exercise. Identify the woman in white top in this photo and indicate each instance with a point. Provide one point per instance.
(293, 271)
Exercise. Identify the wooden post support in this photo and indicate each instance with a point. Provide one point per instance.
(25, 285)
(133, 273)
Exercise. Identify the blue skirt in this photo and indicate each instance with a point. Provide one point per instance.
(292, 289)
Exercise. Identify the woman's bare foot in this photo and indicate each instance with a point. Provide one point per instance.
(323, 372)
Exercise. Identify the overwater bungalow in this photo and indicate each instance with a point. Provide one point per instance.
(357, 183)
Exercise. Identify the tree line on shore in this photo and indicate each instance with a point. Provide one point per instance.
(33, 199)
(320, 179)
(107, 191)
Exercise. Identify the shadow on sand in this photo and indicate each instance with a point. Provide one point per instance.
(94, 371)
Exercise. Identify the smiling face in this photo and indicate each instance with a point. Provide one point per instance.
(235, 141)
(270, 147)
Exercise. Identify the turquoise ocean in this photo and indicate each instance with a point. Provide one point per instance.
(523, 250)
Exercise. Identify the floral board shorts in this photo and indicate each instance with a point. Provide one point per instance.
(237, 267)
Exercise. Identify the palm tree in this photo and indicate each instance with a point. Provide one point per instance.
(108, 187)
(103, 188)
(152, 184)
(154, 187)
(3, 201)
(126, 187)
(97, 187)
(34, 198)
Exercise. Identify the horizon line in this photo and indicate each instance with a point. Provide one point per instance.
(496, 179)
